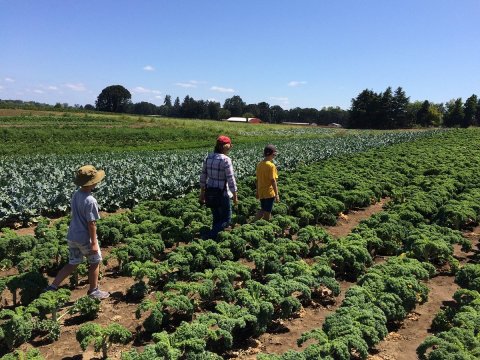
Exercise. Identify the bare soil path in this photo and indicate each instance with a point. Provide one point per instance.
(402, 344)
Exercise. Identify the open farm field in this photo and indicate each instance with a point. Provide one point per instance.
(70, 133)
(368, 245)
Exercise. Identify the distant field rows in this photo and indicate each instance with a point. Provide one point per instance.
(71, 134)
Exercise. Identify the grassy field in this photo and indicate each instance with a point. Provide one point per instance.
(42, 132)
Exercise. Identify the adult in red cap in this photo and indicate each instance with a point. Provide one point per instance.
(223, 140)
(218, 186)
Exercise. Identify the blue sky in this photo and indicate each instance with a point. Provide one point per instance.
(306, 53)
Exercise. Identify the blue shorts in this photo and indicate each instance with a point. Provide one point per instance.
(267, 204)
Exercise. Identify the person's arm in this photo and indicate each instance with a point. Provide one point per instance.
(275, 189)
(203, 182)
(274, 183)
(232, 184)
(92, 230)
(256, 189)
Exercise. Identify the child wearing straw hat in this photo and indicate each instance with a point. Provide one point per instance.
(82, 232)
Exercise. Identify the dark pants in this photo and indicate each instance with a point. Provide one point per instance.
(222, 217)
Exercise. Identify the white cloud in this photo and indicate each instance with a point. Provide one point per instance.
(190, 84)
(222, 89)
(142, 90)
(283, 102)
(38, 91)
(76, 87)
(296, 83)
(1, 87)
(148, 68)
(49, 87)
(7, 79)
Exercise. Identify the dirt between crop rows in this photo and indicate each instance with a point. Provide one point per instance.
(398, 345)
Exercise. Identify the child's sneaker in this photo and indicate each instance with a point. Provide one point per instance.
(98, 294)
(50, 288)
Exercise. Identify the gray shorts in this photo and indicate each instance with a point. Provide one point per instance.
(77, 252)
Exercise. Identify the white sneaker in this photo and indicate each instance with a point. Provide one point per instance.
(98, 294)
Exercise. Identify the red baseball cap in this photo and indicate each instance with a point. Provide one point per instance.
(222, 139)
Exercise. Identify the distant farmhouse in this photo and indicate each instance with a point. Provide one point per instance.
(242, 119)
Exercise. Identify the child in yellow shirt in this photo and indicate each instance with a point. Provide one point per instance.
(266, 183)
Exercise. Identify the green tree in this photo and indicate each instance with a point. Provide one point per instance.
(114, 98)
(477, 114)
(145, 108)
(399, 110)
(235, 105)
(166, 108)
(264, 112)
(190, 108)
(277, 114)
(422, 115)
(224, 114)
(364, 109)
(470, 111)
(213, 108)
(252, 109)
(384, 118)
(176, 110)
(454, 115)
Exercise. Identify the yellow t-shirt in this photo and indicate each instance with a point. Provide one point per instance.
(266, 172)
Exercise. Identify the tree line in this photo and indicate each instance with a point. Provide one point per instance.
(393, 110)
(369, 110)
(116, 98)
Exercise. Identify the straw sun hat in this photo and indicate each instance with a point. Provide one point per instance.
(87, 175)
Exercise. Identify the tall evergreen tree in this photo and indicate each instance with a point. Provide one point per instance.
(400, 109)
(176, 108)
(166, 108)
(384, 117)
(477, 114)
(470, 111)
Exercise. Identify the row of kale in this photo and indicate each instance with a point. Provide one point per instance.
(457, 326)
(387, 292)
(402, 287)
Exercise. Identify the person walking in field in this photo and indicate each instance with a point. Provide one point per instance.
(82, 232)
(266, 183)
(218, 186)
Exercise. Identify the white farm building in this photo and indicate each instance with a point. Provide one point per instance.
(242, 119)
